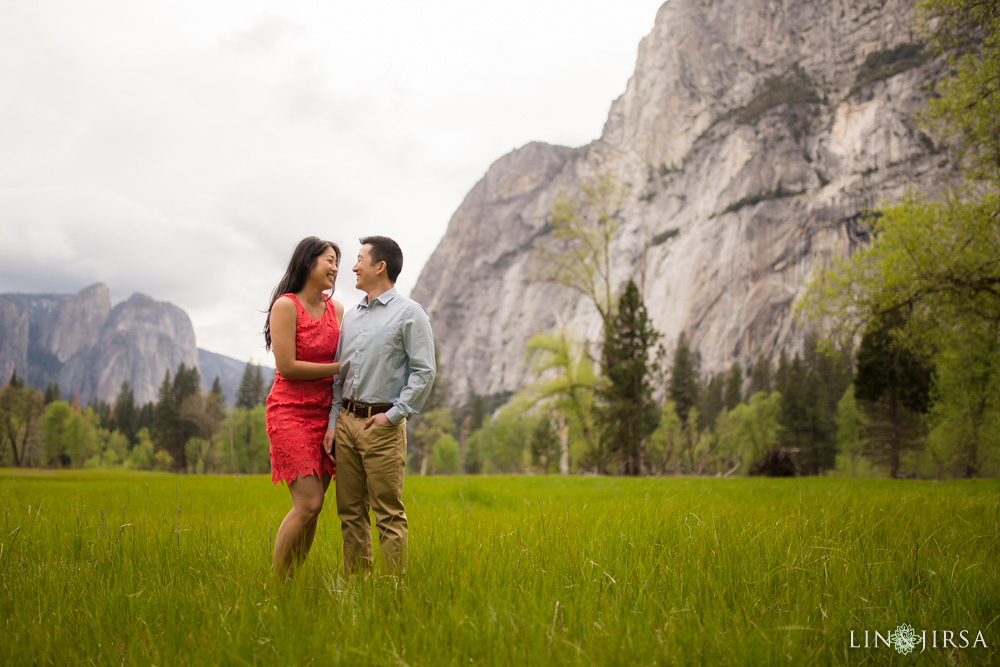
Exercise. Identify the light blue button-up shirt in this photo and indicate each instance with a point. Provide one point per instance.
(386, 355)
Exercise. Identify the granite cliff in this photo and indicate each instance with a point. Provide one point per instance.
(90, 348)
(750, 134)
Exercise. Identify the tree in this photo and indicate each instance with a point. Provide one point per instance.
(751, 430)
(52, 393)
(20, 411)
(851, 423)
(565, 377)
(893, 386)
(252, 390)
(579, 254)
(433, 424)
(545, 445)
(683, 386)
(444, 455)
(666, 442)
(126, 415)
(760, 377)
(939, 260)
(627, 411)
(734, 387)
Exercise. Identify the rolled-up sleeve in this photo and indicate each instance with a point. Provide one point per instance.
(418, 345)
(338, 387)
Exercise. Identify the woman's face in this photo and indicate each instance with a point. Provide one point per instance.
(324, 273)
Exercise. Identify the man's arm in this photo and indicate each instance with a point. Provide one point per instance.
(338, 387)
(418, 343)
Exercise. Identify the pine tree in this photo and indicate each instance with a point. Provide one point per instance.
(711, 402)
(126, 415)
(892, 385)
(760, 377)
(628, 413)
(165, 417)
(52, 393)
(252, 390)
(683, 386)
(216, 400)
(734, 387)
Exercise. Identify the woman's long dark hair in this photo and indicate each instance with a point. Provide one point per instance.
(303, 261)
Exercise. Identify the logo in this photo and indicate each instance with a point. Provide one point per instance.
(905, 639)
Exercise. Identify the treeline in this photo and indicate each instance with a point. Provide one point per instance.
(815, 413)
(184, 430)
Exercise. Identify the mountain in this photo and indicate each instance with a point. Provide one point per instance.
(750, 147)
(90, 348)
(230, 373)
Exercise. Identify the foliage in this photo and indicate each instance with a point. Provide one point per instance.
(20, 410)
(427, 431)
(851, 425)
(500, 446)
(751, 429)
(627, 411)
(444, 456)
(565, 379)
(794, 88)
(253, 387)
(683, 386)
(887, 63)
(578, 256)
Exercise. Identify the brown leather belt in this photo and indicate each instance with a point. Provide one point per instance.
(365, 410)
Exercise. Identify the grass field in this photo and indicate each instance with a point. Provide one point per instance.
(112, 567)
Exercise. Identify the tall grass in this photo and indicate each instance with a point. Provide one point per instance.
(117, 567)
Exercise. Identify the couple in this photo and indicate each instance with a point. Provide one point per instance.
(344, 387)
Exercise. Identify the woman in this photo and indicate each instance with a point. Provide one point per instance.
(303, 326)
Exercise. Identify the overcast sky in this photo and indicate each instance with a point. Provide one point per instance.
(181, 149)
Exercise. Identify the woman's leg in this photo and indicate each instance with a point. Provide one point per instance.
(311, 528)
(294, 538)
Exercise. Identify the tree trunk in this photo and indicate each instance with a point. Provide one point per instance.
(894, 434)
(423, 464)
(563, 443)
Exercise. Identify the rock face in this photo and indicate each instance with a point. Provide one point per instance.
(140, 341)
(89, 348)
(749, 147)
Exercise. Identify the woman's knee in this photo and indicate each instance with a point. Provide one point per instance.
(310, 504)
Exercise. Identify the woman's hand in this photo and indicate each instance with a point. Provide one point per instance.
(328, 443)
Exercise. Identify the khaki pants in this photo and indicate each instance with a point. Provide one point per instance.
(370, 465)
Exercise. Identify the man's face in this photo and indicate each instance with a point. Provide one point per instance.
(366, 273)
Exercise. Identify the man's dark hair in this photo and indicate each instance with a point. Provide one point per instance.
(385, 250)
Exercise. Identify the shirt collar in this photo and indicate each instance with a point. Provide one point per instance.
(383, 298)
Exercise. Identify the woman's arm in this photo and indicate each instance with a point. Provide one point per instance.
(283, 320)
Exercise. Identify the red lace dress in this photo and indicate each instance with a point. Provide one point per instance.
(297, 410)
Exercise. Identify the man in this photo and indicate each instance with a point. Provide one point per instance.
(386, 355)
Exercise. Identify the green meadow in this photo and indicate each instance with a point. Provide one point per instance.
(113, 567)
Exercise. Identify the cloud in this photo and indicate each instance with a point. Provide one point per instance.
(182, 149)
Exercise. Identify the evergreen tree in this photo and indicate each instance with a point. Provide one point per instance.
(52, 393)
(892, 385)
(126, 415)
(734, 387)
(145, 420)
(216, 401)
(711, 402)
(628, 413)
(683, 386)
(760, 377)
(252, 389)
(165, 429)
(15, 381)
